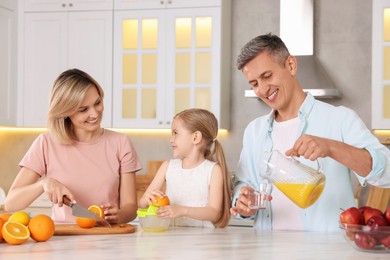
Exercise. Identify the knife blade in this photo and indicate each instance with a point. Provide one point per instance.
(79, 211)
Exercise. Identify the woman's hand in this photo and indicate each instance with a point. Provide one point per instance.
(111, 212)
(55, 191)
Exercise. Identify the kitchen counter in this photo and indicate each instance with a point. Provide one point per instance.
(191, 243)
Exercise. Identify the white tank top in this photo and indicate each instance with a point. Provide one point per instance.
(285, 214)
(189, 187)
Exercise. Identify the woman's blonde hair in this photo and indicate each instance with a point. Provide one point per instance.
(204, 121)
(66, 96)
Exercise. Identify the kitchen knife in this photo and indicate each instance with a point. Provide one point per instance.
(79, 211)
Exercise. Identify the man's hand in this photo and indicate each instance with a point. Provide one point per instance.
(242, 203)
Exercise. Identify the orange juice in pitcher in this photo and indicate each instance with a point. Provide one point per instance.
(303, 195)
(300, 183)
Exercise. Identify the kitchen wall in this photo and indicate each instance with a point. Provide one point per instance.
(342, 43)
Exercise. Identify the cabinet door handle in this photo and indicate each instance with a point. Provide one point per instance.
(162, 2)
(160, 122)
(168, 123)
(71, 5)
(169, 2)
(63, 5)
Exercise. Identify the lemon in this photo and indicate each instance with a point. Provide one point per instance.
(20, 217)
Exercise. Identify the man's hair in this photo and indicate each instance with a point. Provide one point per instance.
(263, 43)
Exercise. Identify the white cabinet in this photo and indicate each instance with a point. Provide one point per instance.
(380, 65)
(55, 41)
(158, 4)
(168, 58)
(66, 5)
(8, 90)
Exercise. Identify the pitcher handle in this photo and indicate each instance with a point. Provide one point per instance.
(319, 164)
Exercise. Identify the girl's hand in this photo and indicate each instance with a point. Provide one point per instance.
(149, 197)
(55, 191)
(171, 211)
(111, 212)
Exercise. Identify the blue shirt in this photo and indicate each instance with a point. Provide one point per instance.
(326, 121)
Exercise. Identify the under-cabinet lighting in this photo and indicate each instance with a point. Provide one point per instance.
(121, 130)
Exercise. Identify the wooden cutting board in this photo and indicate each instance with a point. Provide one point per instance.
(74, 229)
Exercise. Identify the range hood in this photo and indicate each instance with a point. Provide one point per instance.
(296, 30)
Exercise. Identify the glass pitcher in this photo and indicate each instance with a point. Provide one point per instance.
(300, 183)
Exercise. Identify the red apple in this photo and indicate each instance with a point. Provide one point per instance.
(363, 208)
(351, 216)
(365, 241)
(387, 215)
(377, 221)
(368, 213)
(386, 241)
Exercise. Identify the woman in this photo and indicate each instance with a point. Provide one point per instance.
(77, 157)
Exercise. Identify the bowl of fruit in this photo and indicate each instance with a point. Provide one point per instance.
(366, 228)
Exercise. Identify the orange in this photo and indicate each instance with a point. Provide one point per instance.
(1, 226)
(41, 228)
(97, 210)
(15, 233)
(87, 222)
(5, 216)
(164, 201)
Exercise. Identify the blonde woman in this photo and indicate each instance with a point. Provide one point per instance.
(77, 157)
(197, 180)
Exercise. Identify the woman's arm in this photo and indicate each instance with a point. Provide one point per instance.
(128, 199)
(24, 190)
(28, 186)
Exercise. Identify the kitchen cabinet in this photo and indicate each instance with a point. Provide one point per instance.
(53, 41)
(8, 89)
(170, 56)
(66, 5)
(380, 65)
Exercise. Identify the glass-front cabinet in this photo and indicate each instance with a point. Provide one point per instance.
(169, 59)
(381, 64)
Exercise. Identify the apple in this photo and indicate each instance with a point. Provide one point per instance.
(386, 242)
(365, 241)
(363, 208)
(377, 221)
(387, 215)
(368, 213)
(351, 216)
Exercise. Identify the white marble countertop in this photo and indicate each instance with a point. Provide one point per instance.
(191, 243)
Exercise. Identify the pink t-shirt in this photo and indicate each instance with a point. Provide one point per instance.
(91, 171)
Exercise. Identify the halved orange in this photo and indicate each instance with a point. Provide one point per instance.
(97, 210)
(15, 233)
(87, 222)
(164, 201)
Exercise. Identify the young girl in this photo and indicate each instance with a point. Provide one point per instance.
(198, 187)
(77, 157)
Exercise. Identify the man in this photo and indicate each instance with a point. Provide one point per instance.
(307, 128)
